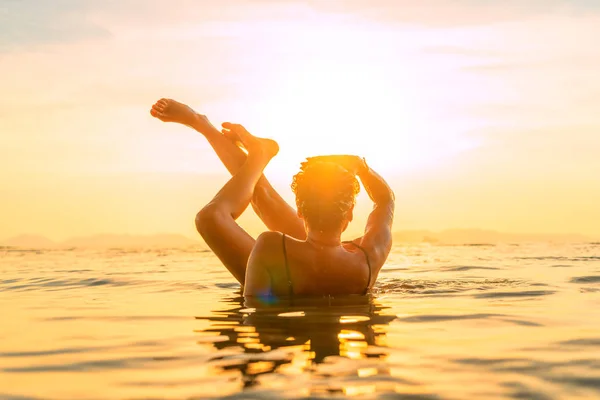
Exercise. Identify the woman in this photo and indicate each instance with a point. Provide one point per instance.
(302, 254)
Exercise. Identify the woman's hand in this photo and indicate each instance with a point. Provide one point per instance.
(352, 163)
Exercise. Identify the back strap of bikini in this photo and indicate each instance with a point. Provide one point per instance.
(287, 267)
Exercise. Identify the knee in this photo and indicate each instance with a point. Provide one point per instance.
(206, 220)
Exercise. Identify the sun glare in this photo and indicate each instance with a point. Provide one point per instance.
(332, 107)
(340, 99)
(341, 91)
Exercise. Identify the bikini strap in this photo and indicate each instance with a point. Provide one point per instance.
(368, 264)
(287, 266)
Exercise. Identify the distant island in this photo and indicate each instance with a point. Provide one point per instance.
(447, 237)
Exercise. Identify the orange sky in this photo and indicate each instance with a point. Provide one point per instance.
(479, 115)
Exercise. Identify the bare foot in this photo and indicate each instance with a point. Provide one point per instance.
(230, 133)
(265, 147)
(168, 110)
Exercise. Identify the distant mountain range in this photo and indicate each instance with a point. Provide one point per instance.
(447, 237)
(104, 241)
(480, 236)
(30, 241)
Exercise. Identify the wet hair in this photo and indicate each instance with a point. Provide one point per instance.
(325, 194)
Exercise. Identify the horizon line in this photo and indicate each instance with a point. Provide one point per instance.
(580, 236)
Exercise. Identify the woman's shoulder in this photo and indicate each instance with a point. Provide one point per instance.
(275, 248)
(267, 239)
(265, 246)
(274, 238)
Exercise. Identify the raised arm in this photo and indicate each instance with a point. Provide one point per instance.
(377, 240)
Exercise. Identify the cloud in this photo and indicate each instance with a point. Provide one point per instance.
(25, 23)
(459, 51)
(444, 13)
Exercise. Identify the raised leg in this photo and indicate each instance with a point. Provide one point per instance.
(273, 210)
(216, 222)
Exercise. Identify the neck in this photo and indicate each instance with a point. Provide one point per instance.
(325, 239)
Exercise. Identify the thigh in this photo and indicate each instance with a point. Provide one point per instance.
(230, 243)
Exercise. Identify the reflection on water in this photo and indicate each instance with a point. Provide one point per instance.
(445, 322)
(314, 334)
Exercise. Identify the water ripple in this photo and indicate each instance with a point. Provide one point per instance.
(585, 342)
(465, 268)
(551, 371)
(456, 287)
(442, 318)
(586, 279)
(109, 364)
(53, 284)
(526, 293)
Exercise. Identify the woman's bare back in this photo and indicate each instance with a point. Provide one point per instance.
(303, 268)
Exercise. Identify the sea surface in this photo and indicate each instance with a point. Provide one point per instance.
(444, 322)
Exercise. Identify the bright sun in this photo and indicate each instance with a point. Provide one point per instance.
(333, 107)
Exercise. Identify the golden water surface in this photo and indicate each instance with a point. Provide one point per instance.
(444, 322)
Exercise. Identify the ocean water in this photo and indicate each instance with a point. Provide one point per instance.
(444, 322)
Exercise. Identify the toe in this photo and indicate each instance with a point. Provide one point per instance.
(157, 114)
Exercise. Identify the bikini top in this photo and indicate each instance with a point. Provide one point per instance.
(289, 276)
